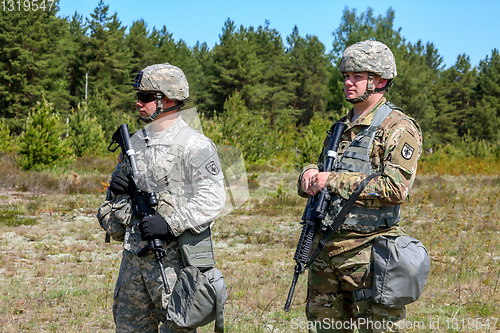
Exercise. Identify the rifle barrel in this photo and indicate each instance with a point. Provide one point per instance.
(164, 278)
(291, 292)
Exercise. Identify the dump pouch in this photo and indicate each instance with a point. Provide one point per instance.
(198, 298)
(200, 292)
(401, 266)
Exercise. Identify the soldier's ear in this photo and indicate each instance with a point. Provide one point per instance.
(380, 83)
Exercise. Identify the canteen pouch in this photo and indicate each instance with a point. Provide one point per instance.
(197, 249)
(198, 299)
(401, 266)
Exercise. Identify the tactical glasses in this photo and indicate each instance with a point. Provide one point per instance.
(146, 97)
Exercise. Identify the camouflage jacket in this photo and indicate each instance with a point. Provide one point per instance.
(395, 137)
(192, 204)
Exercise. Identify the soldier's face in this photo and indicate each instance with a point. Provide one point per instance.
(146, 108)
(355, 84)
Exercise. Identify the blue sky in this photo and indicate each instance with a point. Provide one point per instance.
(455, 27)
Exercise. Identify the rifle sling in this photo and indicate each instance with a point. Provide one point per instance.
(339, 219)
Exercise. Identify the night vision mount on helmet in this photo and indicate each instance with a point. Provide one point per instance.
(166, 80)
(372, 57)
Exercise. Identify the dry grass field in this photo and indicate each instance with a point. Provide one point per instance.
(57, 274)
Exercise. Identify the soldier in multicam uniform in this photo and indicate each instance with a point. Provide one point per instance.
(183, 168)
(339, 277)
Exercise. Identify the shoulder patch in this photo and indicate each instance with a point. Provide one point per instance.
(406, 153)
(212, 168)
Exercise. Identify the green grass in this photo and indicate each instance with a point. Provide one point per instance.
(12, 217)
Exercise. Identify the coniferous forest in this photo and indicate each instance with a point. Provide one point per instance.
(273, 96)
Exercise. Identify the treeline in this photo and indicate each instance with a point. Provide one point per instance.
(272, 96)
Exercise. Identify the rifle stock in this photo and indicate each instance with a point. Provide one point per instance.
(314, 213)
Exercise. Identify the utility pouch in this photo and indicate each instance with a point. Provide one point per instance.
(114, 216)
(198, 299)
(197, 249)
(401, 266)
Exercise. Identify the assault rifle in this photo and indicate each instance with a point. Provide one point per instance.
(314, 213)
(144, 202)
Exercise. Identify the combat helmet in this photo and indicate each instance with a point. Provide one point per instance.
(372, 57)
(166, 80)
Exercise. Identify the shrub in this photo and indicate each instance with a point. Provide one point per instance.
(312, 138)
(6, 140)
(85, 134)
(41, 144)
(239, 128)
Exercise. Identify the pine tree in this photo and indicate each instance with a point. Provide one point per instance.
(236, 67)
(335, 98)
(109, 59)
(143, 46)
(41, 144)
(413, 85)
(204, 99)
(32, 62)
(310, 66)
(356, 28)
(166, 45)
(451, 96)
(275, 92)
(484, 121)
(85, 134)
(185, 59)
(77, 42)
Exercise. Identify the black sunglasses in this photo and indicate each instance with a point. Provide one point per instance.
(146, 97)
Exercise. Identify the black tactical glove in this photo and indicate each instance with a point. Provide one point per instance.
(155, 227)
(119, 183)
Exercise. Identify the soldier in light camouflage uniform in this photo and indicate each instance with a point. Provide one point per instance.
(183, 168)
(341, 271)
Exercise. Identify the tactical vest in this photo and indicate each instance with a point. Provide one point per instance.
(356, 158)
(167, 173)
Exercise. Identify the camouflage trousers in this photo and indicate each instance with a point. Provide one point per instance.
(330, 305)
(140, 301)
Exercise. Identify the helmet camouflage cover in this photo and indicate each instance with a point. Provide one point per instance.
(165, 78)
(369, 56)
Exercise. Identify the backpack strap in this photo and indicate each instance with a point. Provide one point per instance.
(219, 315)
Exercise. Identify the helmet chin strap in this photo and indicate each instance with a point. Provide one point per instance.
(159, 110)
(370, 90)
